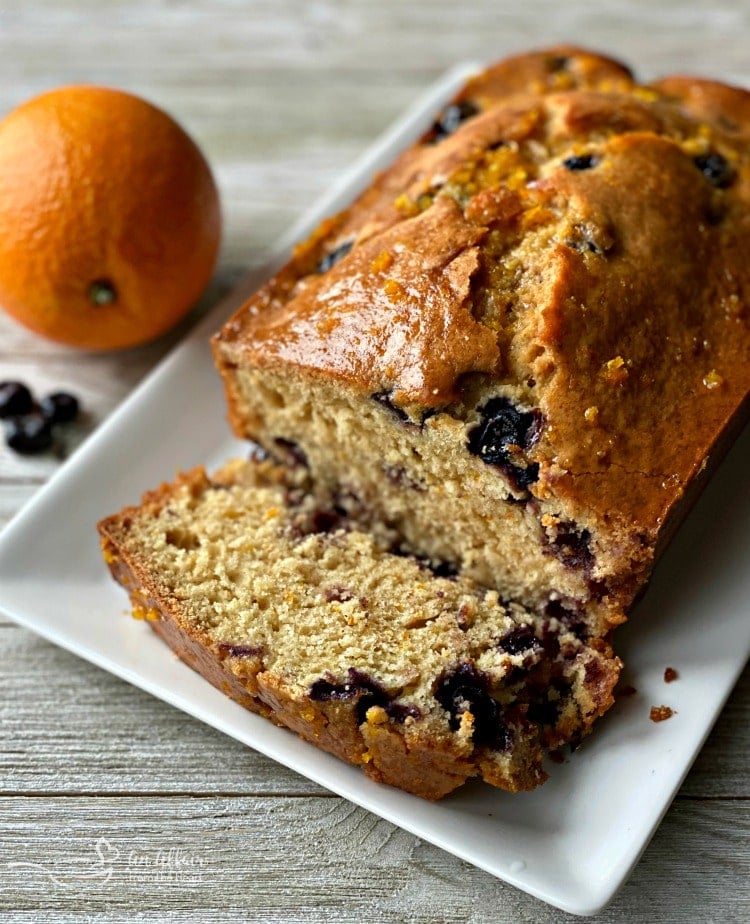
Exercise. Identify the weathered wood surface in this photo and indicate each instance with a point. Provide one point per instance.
(283, 95)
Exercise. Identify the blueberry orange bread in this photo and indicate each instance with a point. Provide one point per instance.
(424, 679)
(523, 346)
(487, 392)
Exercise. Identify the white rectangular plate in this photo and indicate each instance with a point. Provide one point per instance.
(574, 841)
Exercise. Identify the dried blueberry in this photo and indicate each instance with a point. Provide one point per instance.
(580, 162)
(570, 618)
(503, 433)
(366, 693)
(715, 168)
(332, 258)
(29, 434)
(517, 640)
(15, 399)
(357, 685)
(589, 237)
(545, 712)
(467, 690)
(59, 407)
(291, 453)
(523, 477)
(451, 118)
(440, 568)
(572, 548)
(326, 521)
(386, 399)
(241, 651)
(557, 63)
(443, 569)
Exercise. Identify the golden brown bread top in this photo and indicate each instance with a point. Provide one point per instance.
(579, 237)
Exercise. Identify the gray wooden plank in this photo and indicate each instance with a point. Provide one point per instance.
(69, 727)
(312, 859)
(156, 38)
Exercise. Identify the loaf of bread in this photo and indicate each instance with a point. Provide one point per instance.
(523, 346)
(423, 679)
(487, 392)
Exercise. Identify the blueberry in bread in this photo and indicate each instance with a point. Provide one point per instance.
(524, 345)
(424, 680)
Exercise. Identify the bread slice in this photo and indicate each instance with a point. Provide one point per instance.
(419, 675)
(525, 346)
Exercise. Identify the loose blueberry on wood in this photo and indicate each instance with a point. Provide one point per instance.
(59, 407)
(29, 429)
(29, 434)
(15, 399)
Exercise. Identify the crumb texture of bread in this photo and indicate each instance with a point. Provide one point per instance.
(424, 680)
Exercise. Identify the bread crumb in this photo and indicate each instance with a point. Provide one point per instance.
(376, 715)
(394, 290)
(661, 713)
(406, 205)
(670, 674)
(143, 612)
(591, 414)
(615, 371)
(383, 261)
(713, 380)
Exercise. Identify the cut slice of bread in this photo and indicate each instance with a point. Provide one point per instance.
(420, 676)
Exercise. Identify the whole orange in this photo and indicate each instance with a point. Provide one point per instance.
(109, 218)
